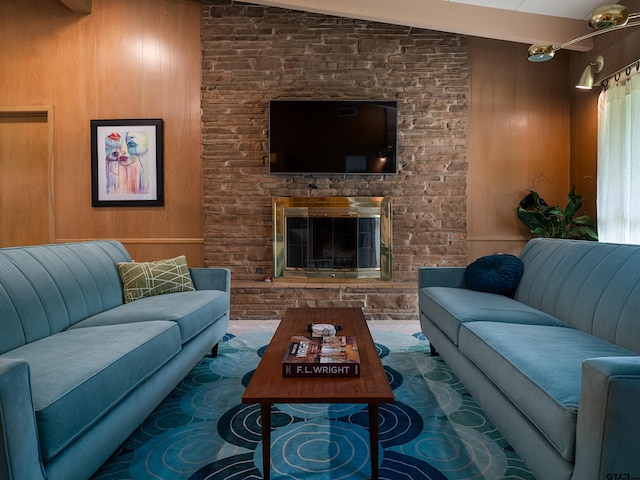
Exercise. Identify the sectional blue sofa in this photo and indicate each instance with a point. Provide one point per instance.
(80, 368)
(557, 364)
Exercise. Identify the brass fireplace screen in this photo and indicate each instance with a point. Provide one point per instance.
(332, 237)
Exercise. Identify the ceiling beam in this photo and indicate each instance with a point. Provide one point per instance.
(450, 17)
(80, 6)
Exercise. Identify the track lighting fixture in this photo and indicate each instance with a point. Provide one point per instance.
(603, 19)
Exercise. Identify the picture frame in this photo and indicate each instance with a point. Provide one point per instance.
(127, 160)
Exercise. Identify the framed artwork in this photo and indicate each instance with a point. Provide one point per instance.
(127, 163)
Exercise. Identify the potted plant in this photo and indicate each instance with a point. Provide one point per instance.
(554, 222)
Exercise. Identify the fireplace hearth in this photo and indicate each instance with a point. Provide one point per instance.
(332, 237)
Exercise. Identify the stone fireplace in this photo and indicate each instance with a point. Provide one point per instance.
(253, 54)
(332, 237)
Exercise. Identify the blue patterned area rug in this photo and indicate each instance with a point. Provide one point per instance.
(202, 431)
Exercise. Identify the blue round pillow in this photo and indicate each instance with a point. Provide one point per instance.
(499, 273)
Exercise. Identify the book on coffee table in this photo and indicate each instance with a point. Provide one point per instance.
(332, 356)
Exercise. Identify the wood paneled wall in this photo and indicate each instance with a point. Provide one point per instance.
(124, 60)
(518, 140)
(584, 146)
(142, 59)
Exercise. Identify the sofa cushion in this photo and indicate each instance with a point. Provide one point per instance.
(78, 375)
(46, 288)
(450, 307)
(499, 273)
(593, 286)
(146, 279)
(193, 311)
(539, 368)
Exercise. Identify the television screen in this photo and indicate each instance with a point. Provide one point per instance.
(333, 137)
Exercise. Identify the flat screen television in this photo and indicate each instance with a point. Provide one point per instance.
(333, 137)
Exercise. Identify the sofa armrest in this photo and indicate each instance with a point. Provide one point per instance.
(19, 446)
(441, 277)
(211, 279)
(607, 439)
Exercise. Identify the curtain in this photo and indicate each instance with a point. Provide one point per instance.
(618, 199)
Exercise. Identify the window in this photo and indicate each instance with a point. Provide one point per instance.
(619, 163)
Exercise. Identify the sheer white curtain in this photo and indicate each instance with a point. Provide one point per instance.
(619, 163)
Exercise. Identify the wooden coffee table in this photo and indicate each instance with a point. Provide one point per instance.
(268, 386)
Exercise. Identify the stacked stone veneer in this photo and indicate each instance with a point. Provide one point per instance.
(252, 54)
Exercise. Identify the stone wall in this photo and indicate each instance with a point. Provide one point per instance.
(252, 54)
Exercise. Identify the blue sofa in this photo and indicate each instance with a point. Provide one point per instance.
(80, 369)
(557, 367)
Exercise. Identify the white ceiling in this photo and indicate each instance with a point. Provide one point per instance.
(578, 9)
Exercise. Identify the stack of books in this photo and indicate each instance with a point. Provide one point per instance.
(330, 356)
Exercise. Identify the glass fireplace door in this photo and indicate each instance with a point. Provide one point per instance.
(333, 243)
(343, 237)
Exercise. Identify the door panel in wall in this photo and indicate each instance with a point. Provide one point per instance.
(26, 193)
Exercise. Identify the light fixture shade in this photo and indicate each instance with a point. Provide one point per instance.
(608, 16)
(587, 77)
(541, 52)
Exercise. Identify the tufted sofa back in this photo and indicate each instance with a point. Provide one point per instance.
(45, 289)
(594, 287)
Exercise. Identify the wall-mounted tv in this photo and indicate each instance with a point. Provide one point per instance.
(333, 137)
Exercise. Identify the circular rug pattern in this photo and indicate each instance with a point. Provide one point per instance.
(456, 451)
(239, 467)
(412, 364)
(177, 453)
(382, 350)
(200, 375)
(429, 399)
(319, 449)
(210, 401)
(202, 431)
(239, 354)
(242, 424)
(166, 417)
(397, 423)
(394, 377)
(398, 466)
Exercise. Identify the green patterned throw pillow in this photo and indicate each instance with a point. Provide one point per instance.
(145, 279)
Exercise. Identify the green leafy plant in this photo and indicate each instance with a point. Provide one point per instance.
(554, 222)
